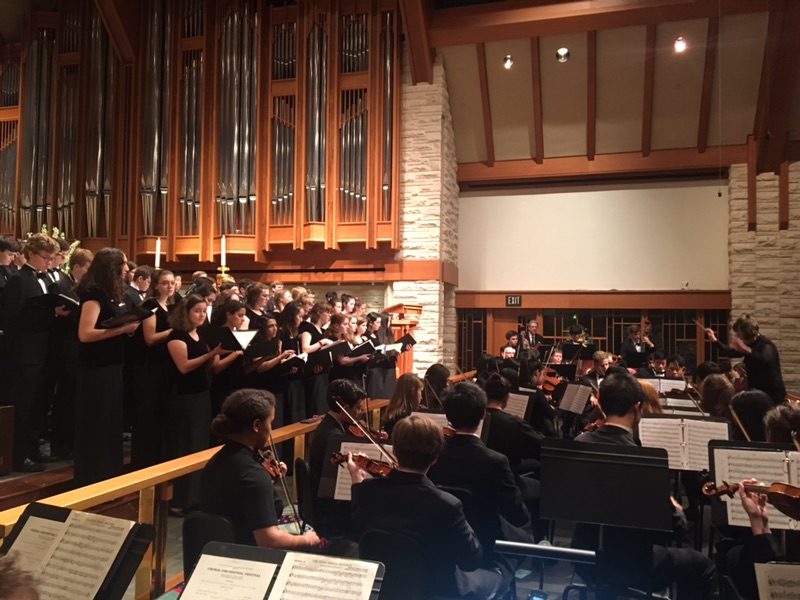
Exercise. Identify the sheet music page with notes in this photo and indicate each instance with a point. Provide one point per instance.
(517, 405)
(697, 435)
(311, 577)
(224, 577)
(440, 419)
(343, 481)
(666, 434)
(36, 543)
(83, 557)
(735, 465)
(778, 581)
(575, 398)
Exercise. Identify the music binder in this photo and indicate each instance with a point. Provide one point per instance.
(363, 349)
(230, 340)
(139, 313)
(685, 438)
(53, 300)
(86, 555)
(227, 571)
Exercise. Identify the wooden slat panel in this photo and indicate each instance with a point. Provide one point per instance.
(712, 42)
(536, 76)
(487, 109)
(678, 299)
(649, 80)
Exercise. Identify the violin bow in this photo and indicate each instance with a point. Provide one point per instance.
(739, 423)
(433, 392)
(366, 433)
(285, 487)
(690, 388)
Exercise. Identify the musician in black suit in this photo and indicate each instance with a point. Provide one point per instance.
(636, 343)
(656, 366)
(621, 399)
(136, 291)
(466, 463)
(27, 330)
(333, 516)
(531, 336)
(9, 248)
(407, 502)
(600, 362)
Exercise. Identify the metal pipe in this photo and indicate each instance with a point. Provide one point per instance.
(198, 141)
(164, 117)
(388, 114)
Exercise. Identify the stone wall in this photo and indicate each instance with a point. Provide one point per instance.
(765, 264)
(428, 211)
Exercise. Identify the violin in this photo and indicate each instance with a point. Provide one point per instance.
(596, 425)
(376, 468)
(448, 432)
(271, 464)
(359, 432)
(784, 497)
(551, 380)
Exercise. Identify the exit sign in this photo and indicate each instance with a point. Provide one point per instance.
(514, 300)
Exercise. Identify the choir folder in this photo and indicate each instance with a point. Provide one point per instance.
(78, 555)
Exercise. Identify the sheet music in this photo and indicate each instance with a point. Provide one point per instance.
(343, 481)
(36, 543)
(440, 419)
(517, 405)
(311, 576)
(575, 398)
(734, 465)
(245, 337)
(223, 577)
(778, 581)
(83, 558)
(667, 434)
(683, 403)
(697, 434)
(794, 467)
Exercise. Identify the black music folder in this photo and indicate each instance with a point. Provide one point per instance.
(139, 313)
(78, 554)
(227, 571)
(230, 340)
(568, 372)
(52, 300)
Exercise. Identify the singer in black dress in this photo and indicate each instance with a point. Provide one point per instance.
(98, 405)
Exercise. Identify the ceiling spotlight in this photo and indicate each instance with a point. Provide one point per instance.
(508, 62)
(562, 54)
(680, 45)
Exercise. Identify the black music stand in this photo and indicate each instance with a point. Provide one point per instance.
(573, 352)
(636, 360)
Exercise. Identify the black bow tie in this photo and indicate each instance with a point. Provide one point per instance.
(42, 275)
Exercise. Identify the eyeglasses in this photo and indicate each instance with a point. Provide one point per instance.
(46, 258)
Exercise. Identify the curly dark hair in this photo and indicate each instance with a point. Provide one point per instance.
(105, 274)
(240, 409)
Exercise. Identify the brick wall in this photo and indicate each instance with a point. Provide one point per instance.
(764, 265)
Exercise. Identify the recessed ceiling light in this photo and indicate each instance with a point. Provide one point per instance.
(562, 54)
(680, 45)
(508, 62)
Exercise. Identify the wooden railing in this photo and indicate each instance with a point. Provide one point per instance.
(154, 485)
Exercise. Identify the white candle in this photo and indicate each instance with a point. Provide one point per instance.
(158, 253)
(222, 254)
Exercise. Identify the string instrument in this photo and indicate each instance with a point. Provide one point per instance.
(784, 497)
(376, 468)
(448, 432)
(367, 434)
(359, 431)
(596, 425)
(428, 386)
(551, 380)
(271, 464)
(458, 378)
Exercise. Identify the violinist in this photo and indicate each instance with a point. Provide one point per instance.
(512, 341)
(542, 413)
(466, 463)
(636, 343)
(600, 362)
(234, 483)
(333, 516)
(761, 358)
(508, 352)
(621, 399)
(656, 366)
(577, 336)
(435, 381)
(531, 336)
(676, 367)
(407, 502)
(406, 399)
(557, 357)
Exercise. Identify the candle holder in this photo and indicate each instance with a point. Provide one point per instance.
(223, 271)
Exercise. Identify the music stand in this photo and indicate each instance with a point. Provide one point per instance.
(636, 360)
(572, 352)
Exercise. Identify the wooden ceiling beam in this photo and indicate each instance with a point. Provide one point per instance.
(591, 96)
(620, 164)
(488, 132)
(649, 86)
(416, 16)
(712, 43)
(536, 78)
(121, 18)
(778, 72)
(516, 19)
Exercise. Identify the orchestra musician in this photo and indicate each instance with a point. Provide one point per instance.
(234, 483)
(531, 336)
(761, 358)
(601, 360)
(636, 343)
(656, 366)
(621, 399)
(407, 502)
(406, 399)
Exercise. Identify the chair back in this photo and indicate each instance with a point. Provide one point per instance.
(305, 492)
(199, 529)
(402, 557)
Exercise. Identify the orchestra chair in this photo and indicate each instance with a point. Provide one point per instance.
(200, 528)
(402, 556)
(305, 492)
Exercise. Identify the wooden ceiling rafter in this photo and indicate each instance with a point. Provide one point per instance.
(604, 165)
(649, 86)
(536, 79)
(416, 23)
(778, 72)
(712, 44)
(516, 19)
(591, 95)
(121, 19)
(486, 106)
